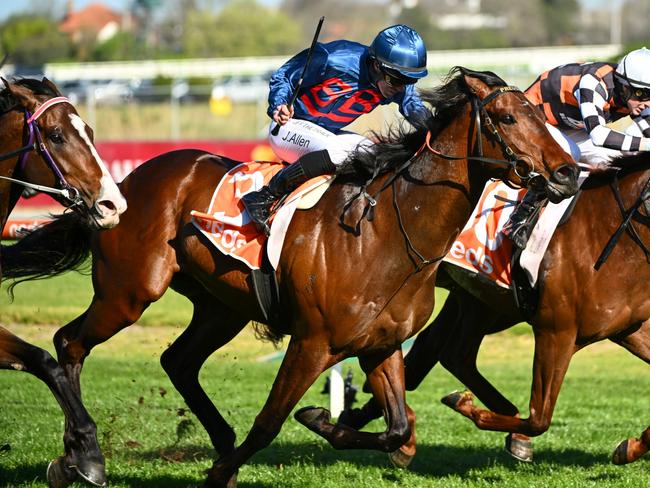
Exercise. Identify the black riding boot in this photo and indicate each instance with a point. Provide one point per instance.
(259, 203)
(518, 226)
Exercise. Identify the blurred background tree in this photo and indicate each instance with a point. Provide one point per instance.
(32, 40)
(242, 28)
(221, 28)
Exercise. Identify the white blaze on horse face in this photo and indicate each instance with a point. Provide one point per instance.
(109, 215)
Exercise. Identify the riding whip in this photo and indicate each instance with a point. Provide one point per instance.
(276, 129)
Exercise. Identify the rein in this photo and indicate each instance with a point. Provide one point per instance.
(512, 161)
(482, 118)
(626, 224)
(529, 179)
(36, 143)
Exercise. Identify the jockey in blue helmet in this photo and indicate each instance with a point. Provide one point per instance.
(343, 81)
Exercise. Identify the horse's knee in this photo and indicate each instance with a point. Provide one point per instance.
(169, 362)
(537, 426)
(177, 367)
(68, 350)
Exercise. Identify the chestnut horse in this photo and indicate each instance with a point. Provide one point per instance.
(577, 307)
(421, 199)
(45, 145)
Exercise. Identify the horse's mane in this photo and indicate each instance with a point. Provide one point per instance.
(621, 167)
(38, 87)
(402, 142)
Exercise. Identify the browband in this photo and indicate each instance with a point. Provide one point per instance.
(45, 106)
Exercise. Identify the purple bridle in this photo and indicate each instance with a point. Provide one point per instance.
(36, 143)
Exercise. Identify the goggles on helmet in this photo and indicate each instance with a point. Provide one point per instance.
(640, 94)
(393, 79)
(633, 92)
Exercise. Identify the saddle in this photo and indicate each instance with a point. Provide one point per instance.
(227, 226)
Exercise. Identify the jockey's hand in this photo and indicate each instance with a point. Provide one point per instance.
(282, 114)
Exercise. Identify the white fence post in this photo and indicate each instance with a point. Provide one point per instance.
(337, 392)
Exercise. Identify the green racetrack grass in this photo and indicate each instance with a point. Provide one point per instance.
(151, 440)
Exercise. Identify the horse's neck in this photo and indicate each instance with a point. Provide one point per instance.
(446, 191)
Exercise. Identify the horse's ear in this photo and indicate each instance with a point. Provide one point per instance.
(476, 86)
(23, 96)
(52, 87)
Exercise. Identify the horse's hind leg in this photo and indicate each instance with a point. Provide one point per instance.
(638, 343)
(386, 378)
(212, 326)
(83, 455)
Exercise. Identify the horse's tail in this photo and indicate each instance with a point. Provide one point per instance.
(59, 246)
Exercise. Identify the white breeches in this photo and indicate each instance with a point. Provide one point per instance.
(299, 137)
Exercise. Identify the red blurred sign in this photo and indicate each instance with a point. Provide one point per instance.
(123, 157)
(16, 228)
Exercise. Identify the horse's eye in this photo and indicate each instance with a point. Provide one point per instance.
(508, 119)
(56, 137)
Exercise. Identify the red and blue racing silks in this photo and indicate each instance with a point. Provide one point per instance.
(337, 87)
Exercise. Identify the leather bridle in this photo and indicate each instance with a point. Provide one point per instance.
(36, 143)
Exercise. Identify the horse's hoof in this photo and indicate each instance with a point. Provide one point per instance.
(519, 447)
(400, 459)
(313, 417)
(455, 397)
(92, 472)
(619, 456)
(59, 475)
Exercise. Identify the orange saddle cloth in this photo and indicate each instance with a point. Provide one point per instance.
(226, 223)
(481, 247)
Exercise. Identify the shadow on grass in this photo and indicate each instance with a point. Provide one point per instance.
(431, 459)
(26, 472)
(437, 461)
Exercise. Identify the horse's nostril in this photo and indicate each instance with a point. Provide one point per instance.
(565, 172)
(108, 205)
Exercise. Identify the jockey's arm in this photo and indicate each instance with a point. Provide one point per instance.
(286, 78)
(411, 105)
(592, 96)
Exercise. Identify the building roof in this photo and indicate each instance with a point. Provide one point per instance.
(94, 17)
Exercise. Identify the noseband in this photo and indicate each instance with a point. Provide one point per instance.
(36, 143)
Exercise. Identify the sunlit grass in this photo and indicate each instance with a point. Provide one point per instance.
(151, 440)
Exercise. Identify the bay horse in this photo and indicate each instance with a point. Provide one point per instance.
(45, 145)
(353, 281)
(578, 306)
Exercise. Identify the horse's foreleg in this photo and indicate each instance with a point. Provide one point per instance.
(104, 318)
(212, 326)
(638, 343)
(422, 357)
(303, 362)
(553, 354)
(124, 285)
(386, 378)
(83, 455)
(466, 329)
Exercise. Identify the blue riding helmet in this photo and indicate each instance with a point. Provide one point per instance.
(400, 51)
